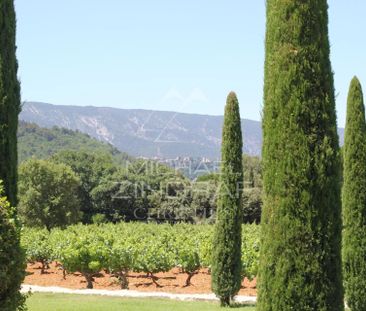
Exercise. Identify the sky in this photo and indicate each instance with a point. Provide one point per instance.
(176, 55)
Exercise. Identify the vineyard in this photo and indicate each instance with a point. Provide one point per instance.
(126, 247)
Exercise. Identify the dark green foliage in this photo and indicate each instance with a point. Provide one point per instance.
(11, 256)
(252, 195)
(210, 177)
(41, 143)
(144, 189)
(48, 194)
(9, 100)
(252, 205)
(252, 171)
(300, 266)
(354, 200)
(252, 192)
(204, 202)
(12, 259)
(120, 197)
(115, 185)
(173, 202)
(91, 168)
(226, 263)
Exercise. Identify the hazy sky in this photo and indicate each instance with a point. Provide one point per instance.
(181, 55)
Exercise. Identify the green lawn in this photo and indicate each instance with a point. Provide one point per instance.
(55, 302)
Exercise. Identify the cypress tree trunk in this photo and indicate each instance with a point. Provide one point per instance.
(300, 265)
(354, 200)
(9, 100)
(226, 261)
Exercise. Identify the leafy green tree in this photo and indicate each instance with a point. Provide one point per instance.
(300, 266)
(142, 189)
(9, 100)
(121, 197)
(172, 202)
(91, 168)
(12, 259)
(354, 200)
(204, 201)
(226, 256)
(48, 194)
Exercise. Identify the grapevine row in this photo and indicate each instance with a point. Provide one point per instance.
(125, 247)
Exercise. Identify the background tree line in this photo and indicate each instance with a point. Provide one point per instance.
(79, 186)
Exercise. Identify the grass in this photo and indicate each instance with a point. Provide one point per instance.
(59, 302)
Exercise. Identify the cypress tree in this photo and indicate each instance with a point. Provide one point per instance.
(226, 257)
(300, 265)
(11, 255)
(354, 200)
(9, 100)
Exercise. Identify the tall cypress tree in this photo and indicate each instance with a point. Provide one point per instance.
(9, 100)
(226, 262)
(11, 255)
(354, 200)
(300, 265)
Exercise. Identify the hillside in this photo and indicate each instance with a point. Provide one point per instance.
(146, 133)
(42, 142)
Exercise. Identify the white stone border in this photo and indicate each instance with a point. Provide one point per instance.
(131, 294)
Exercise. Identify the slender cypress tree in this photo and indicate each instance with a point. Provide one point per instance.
(226, 262)
(300, 265)
(9, 100)
(11, 255)
(354, 200)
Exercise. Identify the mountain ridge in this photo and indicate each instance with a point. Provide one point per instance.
(146, 133)
(127, 109)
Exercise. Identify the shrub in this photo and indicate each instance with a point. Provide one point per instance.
(48, 194)
(12, 261)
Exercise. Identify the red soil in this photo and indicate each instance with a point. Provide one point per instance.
(171, 282)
